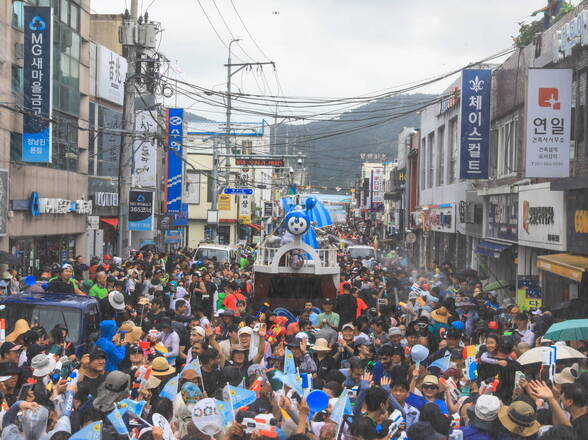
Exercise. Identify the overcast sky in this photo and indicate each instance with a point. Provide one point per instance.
(332, 47)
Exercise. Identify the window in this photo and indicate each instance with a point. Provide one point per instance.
(16, 147)
(17, 79)
(247, 147)
(508, 151)
(65, 143)
(108, 145)
(441, 156)
(17, 13)
(92, 141)
(430, 163)
(453, 151)
(192, 187)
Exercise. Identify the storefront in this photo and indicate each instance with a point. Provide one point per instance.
(542, 239)
(41, 252)
(498, 251)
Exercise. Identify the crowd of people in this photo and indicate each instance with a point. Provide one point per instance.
(399, 353)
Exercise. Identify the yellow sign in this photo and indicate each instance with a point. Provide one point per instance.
(245, 219)
(224, 202)
(526, 303)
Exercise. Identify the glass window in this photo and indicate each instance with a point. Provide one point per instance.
(16, 147)
(17, 79)
(74, 12)
(17, 13)
(441, 156)
(75, 45)
(64, 11)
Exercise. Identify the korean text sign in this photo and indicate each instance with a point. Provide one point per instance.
(140, 211)
(144, 151)
(38, 44)
(476, 85)
(549, 119)
(173, 185)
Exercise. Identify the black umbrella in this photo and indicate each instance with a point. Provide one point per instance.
(8, 258)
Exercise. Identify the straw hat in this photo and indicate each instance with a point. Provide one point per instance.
(132, 332)
(321, 344)
(20, 327)
(519, 418)
(160, 367)
(440, 315)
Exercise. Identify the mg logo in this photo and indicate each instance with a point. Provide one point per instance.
(549, 97)
(175, 120)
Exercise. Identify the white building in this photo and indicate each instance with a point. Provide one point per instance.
(236, 213)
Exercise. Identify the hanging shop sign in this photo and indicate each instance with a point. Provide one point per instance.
(475, 123)
(4, 201)
(37, 71)
(145, 152)
(106, 199)
(110, 76)
(260, 162)
(541, 217)
(377, 187)
(549, 110)
(450, 102)
(173, 158)
(224, 202)
(442, 218)
(577, 221)
(503, 211)
(268, 209)
(173, 236)
(140, 211)
(572, 34)
(245, 209)
(529, 292)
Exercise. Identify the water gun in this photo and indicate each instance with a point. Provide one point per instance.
(257, 385)
(452, 386)
(278, 330)
(72, 380)
(489, 388)
(455, 421)
(263, 424)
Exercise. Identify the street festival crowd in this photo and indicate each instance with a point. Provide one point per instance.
(402, 352)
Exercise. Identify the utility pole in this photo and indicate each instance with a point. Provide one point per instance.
(129, 29)
(230, 73)
(214, 206)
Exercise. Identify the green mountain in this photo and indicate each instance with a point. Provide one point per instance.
(333, 148)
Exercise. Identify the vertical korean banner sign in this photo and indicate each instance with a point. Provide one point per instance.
(38, 44)
(549, 119)
(140, 211)
(476, 86)
(173, 159)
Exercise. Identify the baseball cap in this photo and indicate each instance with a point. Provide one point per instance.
(348, 325)
(394, 331)
(245, 331)
(198, 331)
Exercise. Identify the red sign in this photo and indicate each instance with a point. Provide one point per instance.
(260, 162)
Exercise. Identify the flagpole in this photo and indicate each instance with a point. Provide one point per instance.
(231, 401)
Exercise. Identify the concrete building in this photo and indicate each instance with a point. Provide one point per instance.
(238, 216)
(47, 237)
(440, 188)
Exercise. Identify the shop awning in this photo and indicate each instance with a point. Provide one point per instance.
(112, 221)
(256, 227)
(565, 265)
(491, 248)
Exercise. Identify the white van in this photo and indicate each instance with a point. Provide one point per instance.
(218, 252)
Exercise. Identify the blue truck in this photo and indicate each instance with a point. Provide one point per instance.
(80, 314)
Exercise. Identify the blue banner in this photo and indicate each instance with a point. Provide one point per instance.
(475, 123)
(140, 211)
(38, 44)
(173, 158)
